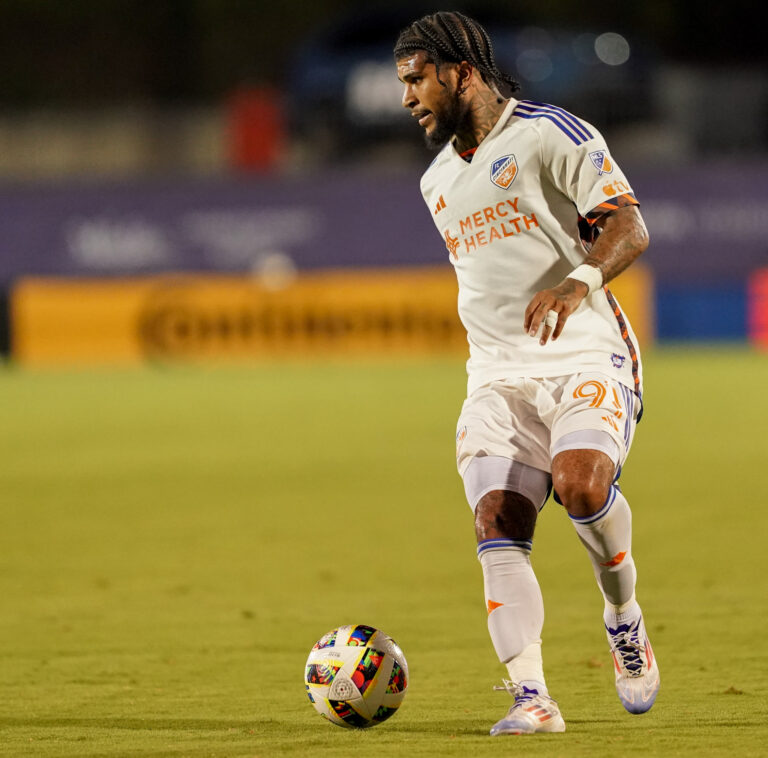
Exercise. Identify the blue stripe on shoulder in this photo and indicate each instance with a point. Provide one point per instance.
(565, 121)
(579, 126)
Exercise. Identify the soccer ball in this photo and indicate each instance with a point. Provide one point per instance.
(356, 676)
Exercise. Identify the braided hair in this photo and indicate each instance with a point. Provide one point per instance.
(452, 37)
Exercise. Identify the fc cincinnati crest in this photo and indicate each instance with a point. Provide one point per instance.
(504, 171)
(601, 162)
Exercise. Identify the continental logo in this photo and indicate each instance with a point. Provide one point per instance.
(111, 321)
(189, 321)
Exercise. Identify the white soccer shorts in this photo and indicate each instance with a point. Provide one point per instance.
(509, 431)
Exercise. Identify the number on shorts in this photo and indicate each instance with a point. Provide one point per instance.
(593, 389)
(597, 391)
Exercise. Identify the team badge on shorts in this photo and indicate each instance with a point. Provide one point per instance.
(617, 361)
(504, 171)
(601, 162)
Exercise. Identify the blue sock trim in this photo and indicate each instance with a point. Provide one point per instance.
(602, 512)
(486, 546)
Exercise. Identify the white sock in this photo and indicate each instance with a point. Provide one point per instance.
(515, 609)
(617, 615)
(527, 669)
(607, 536)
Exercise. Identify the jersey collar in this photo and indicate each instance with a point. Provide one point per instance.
(497, 127)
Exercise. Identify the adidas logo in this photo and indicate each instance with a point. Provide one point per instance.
(440, 205)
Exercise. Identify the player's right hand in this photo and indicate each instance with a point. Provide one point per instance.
(564, 299)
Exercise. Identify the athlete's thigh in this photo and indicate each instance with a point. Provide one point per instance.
(500, 419)
(595, 413)
(502, 444)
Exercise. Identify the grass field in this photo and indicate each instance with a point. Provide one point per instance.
(173, 541)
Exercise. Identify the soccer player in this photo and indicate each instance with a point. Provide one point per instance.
(537, 218)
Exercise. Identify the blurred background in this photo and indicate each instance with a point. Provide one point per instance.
(191, 183)
(232, 178)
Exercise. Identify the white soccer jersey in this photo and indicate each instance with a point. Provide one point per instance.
(511, 223)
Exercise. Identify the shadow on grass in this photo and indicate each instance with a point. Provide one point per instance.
(256, 725)
(150, 724)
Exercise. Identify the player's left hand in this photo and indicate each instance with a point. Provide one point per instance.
(563, 300)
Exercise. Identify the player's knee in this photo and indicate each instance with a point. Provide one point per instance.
(580, 495)
(501, 513)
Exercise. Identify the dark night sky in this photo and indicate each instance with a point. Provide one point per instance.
(83, 52)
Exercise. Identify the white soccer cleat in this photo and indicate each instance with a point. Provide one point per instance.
(530, 713)
(637, 673)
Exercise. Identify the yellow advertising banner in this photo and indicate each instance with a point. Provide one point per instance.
(190, 317)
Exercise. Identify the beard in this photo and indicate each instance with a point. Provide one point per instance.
(446, 123)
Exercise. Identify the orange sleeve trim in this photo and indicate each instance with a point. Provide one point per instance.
(620, 201)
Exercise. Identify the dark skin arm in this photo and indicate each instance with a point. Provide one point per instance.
(622, 239)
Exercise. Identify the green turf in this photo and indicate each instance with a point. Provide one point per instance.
(172, 542)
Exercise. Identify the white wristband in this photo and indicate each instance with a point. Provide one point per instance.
(589, 275)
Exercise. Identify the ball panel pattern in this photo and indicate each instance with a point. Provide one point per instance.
(356, 676)
(397, 680)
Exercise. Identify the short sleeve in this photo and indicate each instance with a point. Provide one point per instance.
(577, 159)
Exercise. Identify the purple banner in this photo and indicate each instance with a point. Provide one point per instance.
(706, 224)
